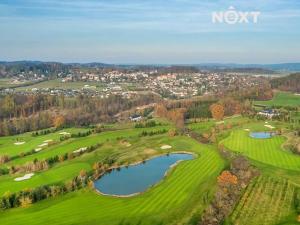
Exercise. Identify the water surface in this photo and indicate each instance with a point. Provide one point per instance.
(261, 135)
(137, 178)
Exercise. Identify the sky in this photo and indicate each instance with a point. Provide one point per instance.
(149, 31)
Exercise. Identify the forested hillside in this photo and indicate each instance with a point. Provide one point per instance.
(288, 83)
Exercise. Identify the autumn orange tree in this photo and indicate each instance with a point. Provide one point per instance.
(161, 110)
(227, 178)
(58, 121)
(217, 111)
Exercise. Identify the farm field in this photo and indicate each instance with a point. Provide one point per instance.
(268, 151)
(173, 195)
(282, 99)
(267, 200)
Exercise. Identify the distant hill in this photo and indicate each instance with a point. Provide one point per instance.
(246, 70)
(8, 69)
(52, 68)
(287, 83)
(288, 67)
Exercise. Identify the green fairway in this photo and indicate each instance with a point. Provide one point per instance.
(268, 151)
(206, 126)
(282, 99)
(9, 145)
(58, 174)
(76, 143)
(170, 201)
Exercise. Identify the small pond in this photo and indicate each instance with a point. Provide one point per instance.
(137, 178)
(261, 135)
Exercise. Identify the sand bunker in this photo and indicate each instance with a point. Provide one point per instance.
(37, 149)
(246, 129)
(269, 126)
(47, 141)
(220, 122)
(166, 147)
(125, 143)
(20, 143)
(43, 145)
(64, 133)
(25, 177)
(80, 150)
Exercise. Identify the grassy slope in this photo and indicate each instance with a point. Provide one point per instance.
(74, 144)
(170, 201)
(282, 99)
(268, 151)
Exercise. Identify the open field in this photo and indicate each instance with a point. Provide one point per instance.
(62, 85)
(282, 99)
(169, 201)
(268, 151)
(267, 200)
(5, 82)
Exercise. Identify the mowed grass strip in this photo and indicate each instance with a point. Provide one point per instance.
(159, 204)
(268, 151)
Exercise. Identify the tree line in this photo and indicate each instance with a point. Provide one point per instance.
(23, 113)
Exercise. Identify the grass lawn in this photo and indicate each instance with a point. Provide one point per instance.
(282, 99)
(268, 151)
(187, 187)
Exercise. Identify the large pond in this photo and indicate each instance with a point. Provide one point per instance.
(137, 178)
(261, 135)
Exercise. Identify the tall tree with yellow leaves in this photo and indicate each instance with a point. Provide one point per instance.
(217, 111)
